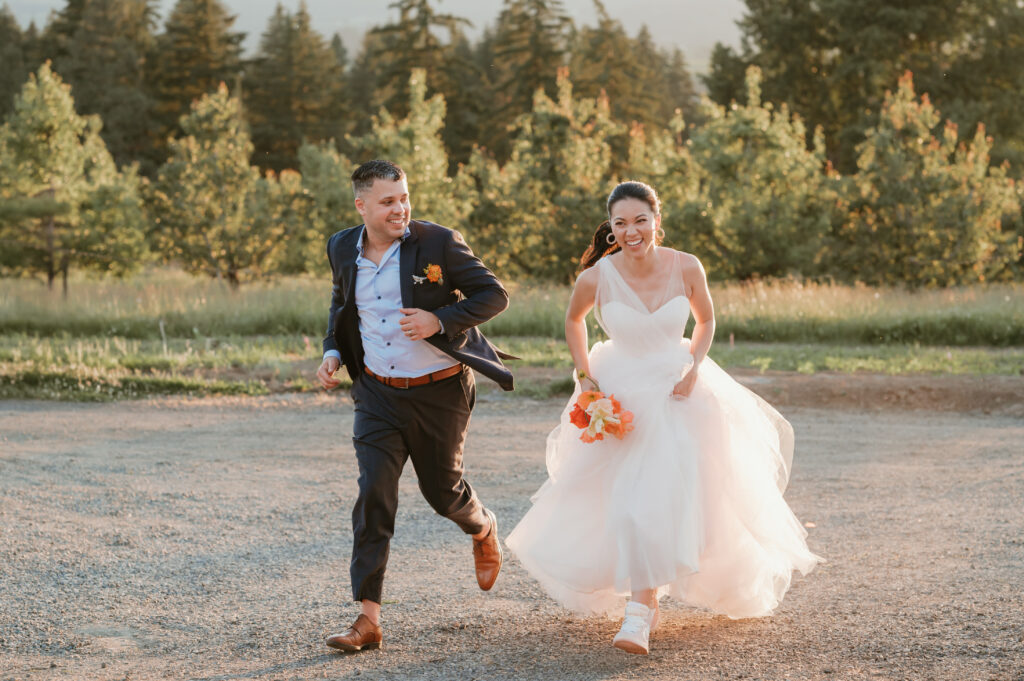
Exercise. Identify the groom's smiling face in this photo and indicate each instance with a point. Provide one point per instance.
(385, 209)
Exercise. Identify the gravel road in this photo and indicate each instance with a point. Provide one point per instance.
(209, 539)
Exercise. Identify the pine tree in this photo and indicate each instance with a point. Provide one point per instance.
(832, 61)
(210, 205)
(926, 210)
(365, 80)
(104, 63)
(329, 206)
(536, 213)
(530, 44)
(12, 56)
(763, 205)
(196, 52)
(421, 38)
(60, 29)
(414, 143)
(426, 39)
(680, 92)
(76, 209)
(291, 89)
(603, 61)
(987, 84)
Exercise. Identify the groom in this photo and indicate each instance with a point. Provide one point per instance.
(408, 295)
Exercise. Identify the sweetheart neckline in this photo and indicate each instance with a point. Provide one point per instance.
(650, 312)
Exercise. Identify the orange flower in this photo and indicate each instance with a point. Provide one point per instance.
(596, 415)
(579, 418)
(433, 273)
(624, 425)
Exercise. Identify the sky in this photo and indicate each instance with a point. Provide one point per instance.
(694, 26)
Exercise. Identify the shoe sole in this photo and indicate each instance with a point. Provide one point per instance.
(347, 648)
(630, 647)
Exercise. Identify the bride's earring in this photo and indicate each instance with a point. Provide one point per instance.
(660, 234)
(610, 239)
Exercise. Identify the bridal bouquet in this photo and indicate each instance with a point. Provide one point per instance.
(597, 415)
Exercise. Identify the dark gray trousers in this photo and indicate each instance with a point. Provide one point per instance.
(428, 425)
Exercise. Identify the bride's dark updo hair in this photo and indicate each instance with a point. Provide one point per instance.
(600, 247)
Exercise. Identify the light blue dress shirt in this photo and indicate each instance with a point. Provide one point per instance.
(388, 351)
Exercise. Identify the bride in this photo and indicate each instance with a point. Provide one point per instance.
(689, 503)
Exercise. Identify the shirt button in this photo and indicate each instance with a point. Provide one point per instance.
(382, 321)
(378, 297)
(389, 342)
(392, 366)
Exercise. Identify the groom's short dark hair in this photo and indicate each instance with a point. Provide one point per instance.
(377, 169)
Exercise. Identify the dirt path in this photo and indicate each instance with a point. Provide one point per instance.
(210, 540)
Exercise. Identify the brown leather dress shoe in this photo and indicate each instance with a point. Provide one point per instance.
(487, 556)
(362, 635)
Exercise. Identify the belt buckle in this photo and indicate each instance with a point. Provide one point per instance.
(403, 387)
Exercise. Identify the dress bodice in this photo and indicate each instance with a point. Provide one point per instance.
(628, 321)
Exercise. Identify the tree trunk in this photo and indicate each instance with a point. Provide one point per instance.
(51, 270)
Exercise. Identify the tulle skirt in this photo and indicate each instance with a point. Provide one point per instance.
(689, 503)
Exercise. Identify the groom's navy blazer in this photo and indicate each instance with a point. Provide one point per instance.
(468, 294)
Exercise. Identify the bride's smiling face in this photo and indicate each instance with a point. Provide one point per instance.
(633, 224)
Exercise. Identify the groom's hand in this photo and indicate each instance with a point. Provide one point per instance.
(325, 374)
(418, 324)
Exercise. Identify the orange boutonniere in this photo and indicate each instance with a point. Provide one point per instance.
(434, 275)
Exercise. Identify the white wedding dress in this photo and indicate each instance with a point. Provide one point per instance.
(689, 502)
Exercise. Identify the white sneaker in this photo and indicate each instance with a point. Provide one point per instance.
(634, 636)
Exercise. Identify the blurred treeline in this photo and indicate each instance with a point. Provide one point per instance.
(122, 145)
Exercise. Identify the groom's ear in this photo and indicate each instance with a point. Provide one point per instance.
(360, 206)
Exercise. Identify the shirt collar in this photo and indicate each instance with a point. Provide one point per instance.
(362, 236)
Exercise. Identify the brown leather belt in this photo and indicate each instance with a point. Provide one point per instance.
(405, 383)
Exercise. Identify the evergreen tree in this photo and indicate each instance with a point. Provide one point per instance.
(604, 61)
(926, 210)
(467, 110)
(12, 56)
(763, 204)
(415, 144)
(103, 61)
(330, 207)
(530, 44)
(196, 52)
(74, 209)
(424, 38)
(209, 203)
(680, 92)
(291, 89)
(60, 29)
(986, 85)
(833, 60)
(536, 213)
(365, 79)
(340, 52)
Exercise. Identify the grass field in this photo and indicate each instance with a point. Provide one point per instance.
(96, 369)
(168, 333)
(175, 305)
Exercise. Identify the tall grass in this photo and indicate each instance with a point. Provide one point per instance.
(170, 304)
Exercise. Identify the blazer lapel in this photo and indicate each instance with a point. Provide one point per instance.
(406, 263)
